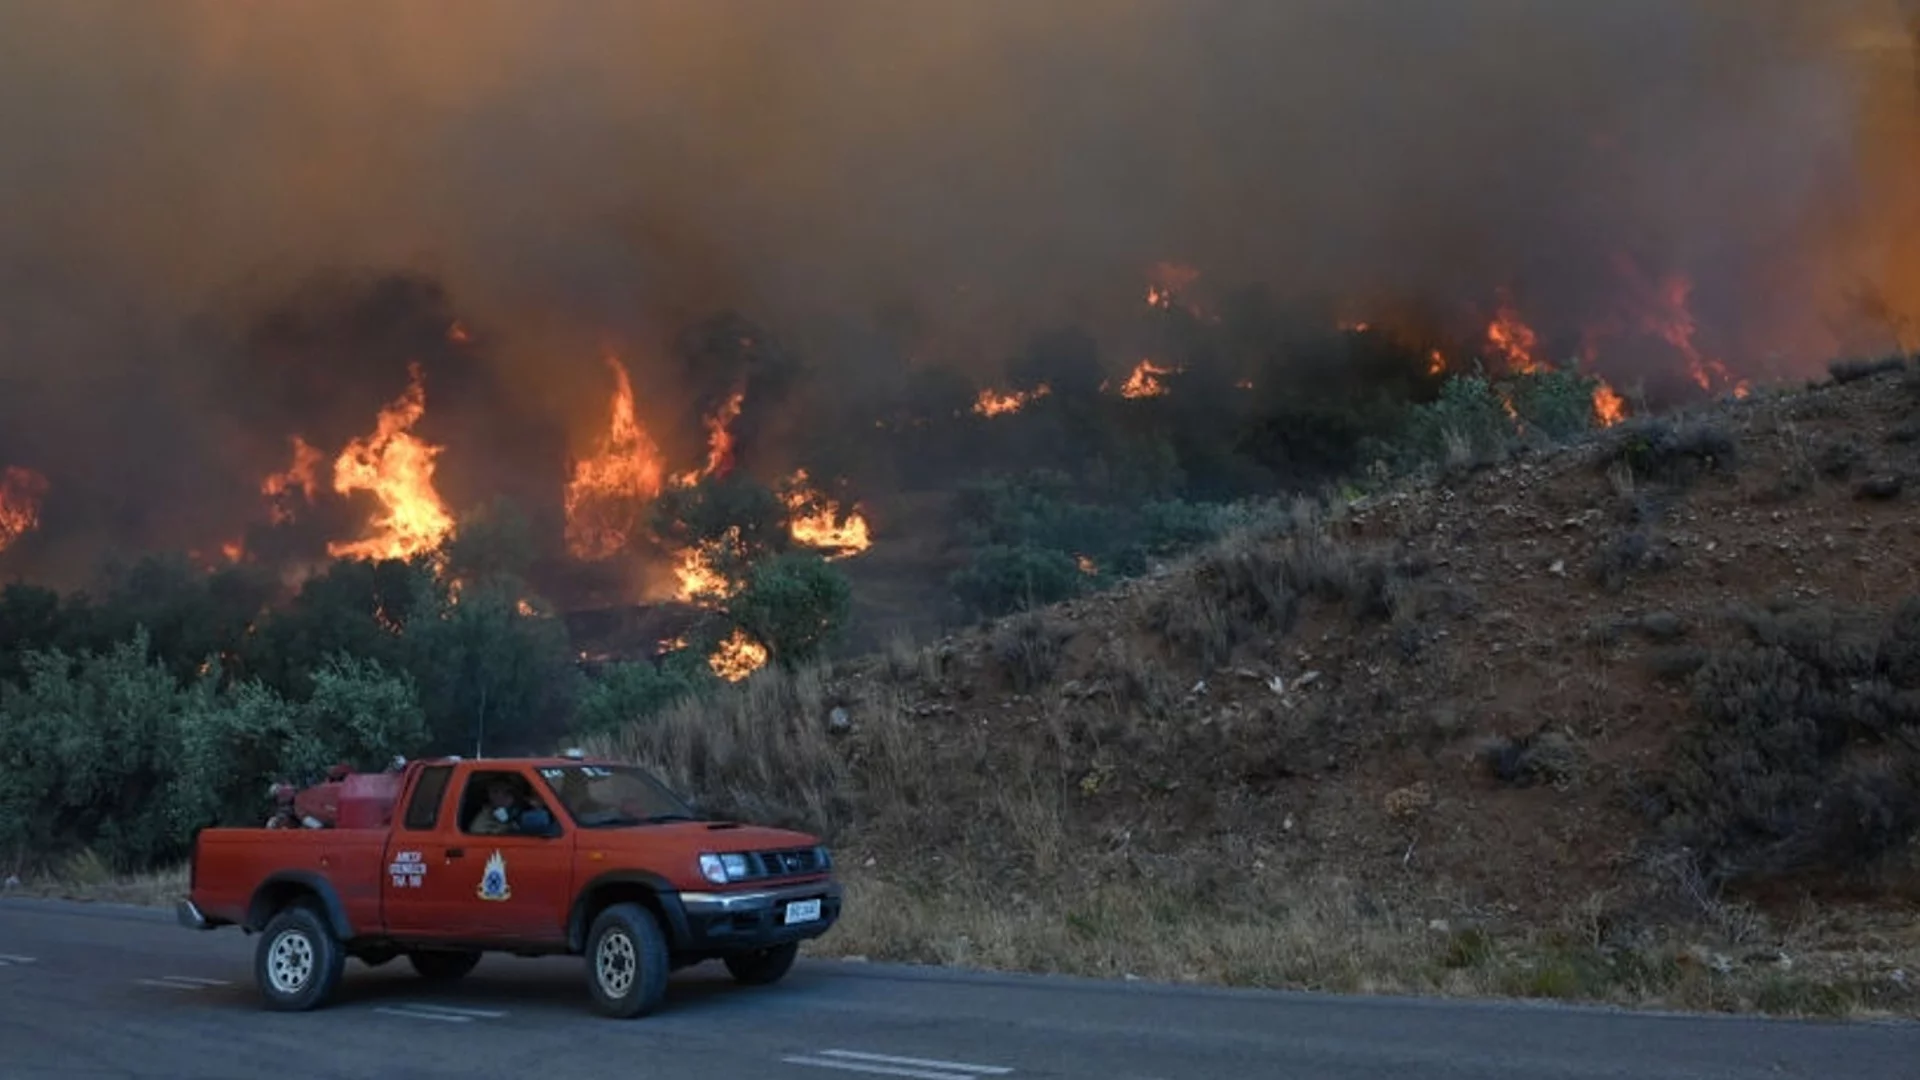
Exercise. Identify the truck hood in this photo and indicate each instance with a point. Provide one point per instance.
(694, 837)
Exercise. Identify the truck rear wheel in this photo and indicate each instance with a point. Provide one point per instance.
(442, 966)
(763, 967)
(297, 964)
(627, 961)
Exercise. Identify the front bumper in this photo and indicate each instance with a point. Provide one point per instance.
(191, 917)
(719, 923)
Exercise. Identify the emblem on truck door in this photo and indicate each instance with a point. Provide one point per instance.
(493, 883)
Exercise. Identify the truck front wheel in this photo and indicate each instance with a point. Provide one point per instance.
(297, 963)
(627, 961)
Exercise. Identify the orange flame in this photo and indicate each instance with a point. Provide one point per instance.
(21, 492)
(1167, 281)
(458, 334)
(701, 582)
(1087, 565)
(1673, 321)
(300, 476)
(737, 657)
(1512, 338)
(719, 442)
(608, 490)
(823, 526)
(1436, 362)
(396, 467)
(1145, 380)
(1608, 407)
(993, 403)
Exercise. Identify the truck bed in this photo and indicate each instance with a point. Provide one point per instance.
(232, 864)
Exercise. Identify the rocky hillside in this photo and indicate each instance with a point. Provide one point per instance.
(1636, 718)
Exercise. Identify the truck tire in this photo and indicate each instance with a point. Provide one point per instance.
(626, 961)
(764, 967)
(435, 965)
(297, 964)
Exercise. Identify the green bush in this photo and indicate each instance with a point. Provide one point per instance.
(1557, 404)
(795, 604)
(639, 690)
(108, 751)
(1001, 579)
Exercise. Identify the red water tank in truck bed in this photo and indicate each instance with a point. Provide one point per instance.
(366, 800)
(350, 800)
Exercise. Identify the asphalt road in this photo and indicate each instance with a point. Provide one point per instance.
(91, 991)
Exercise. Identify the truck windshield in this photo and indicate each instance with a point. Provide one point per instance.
(612, 796)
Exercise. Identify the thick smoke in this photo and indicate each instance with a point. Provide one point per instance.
(568, 178)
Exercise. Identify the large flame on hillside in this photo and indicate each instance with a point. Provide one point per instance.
(696, 569)
(1609, 408)
(610, 489)
(737, 657)
(992, 402)
(21, 492)
(1512, 338)
(1145, 380)
(302, 475)
(816, 521)
(396, 467)
(719, 442)
(1668, 315)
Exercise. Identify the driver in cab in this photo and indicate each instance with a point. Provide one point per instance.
(503, 810)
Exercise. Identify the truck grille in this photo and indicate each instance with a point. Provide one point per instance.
(785, 863)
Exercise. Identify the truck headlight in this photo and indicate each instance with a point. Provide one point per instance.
(720, 869)
(825, 860)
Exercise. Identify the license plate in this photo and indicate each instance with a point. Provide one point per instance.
(803, 911)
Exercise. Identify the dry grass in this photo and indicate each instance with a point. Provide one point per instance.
(945, 866)
(85, 876)
(1332, 937)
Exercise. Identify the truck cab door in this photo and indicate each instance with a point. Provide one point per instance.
(425, 866)
(516, 885)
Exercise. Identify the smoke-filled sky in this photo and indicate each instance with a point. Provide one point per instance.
(593, 172)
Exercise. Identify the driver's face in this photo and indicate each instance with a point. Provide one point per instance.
(500, 795)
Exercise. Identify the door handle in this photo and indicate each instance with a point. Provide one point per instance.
(455, 853)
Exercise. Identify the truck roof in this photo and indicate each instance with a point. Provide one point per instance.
(548, 759)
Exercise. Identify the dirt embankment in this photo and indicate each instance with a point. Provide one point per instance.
(1523, 728)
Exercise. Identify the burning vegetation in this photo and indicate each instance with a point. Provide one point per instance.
(21, 492)
(611, 489)
(396, 468)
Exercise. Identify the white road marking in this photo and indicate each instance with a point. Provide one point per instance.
(7, 959)
(889, 1065)
(448, 1013)
(183, 982)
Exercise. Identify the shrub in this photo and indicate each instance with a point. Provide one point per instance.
(1853, 370)
(629, 692)
(1541, 757)
(1027, 648)
(105, 751)
(1556, 404)
(1470, 411)
(795, 604)
(1001, 579)
(1656, 449)
(1803, 753)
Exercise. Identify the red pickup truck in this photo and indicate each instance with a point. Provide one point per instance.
(528, 856)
